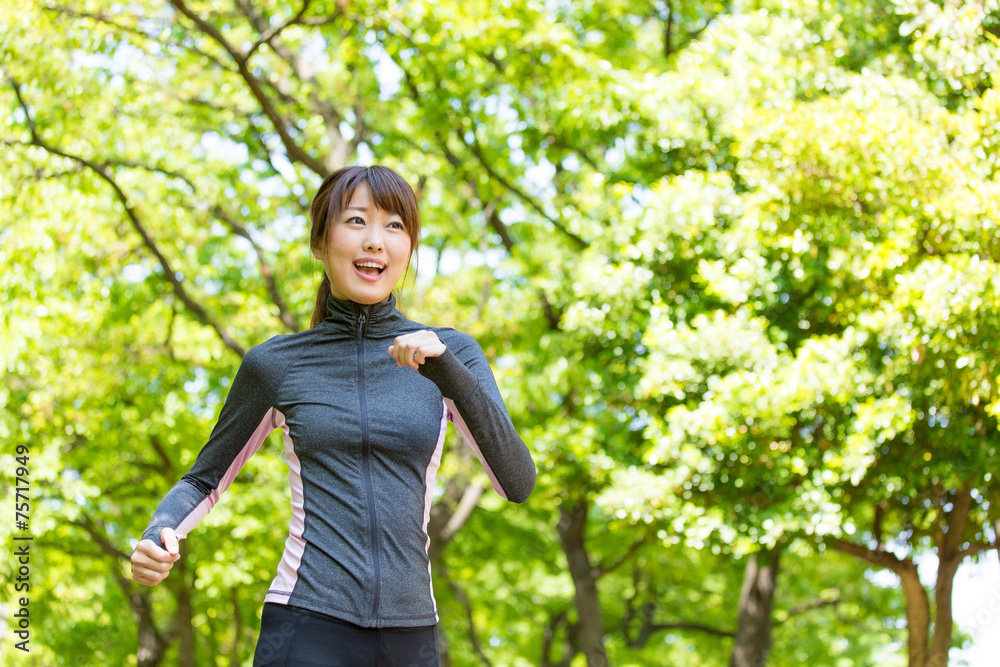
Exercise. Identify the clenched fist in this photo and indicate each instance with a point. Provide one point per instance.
(150, 563)
(414, 348)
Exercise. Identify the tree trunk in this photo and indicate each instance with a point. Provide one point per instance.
(943, 621)
(589, 629)
(184, 620)
(668, 32)
(237, 628)
(923, 650)
(753, 633)
(151, 643)
(918, 614)
(950, 556)
(447, 516)
(444, 650)
(996, 533)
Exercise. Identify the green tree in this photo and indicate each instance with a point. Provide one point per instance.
(635, 208)
(861, 237)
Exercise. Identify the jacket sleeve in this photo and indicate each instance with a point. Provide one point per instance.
(245, 421)
(470, 392)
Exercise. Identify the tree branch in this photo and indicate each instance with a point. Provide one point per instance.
(466, 505)
(492, 59)
(877, 525)
(697, 627)
(808, 606)
(463, 599)
(292, 148)
(32, 130)
(98, 17)
(559, 142)
(552, 316)
(42, 176)
(234, 600)
(976, 548)
(198, 102)
(101, 168)
(474, 148)
(601, 570)
(133, 30)
(668, 32)
(273, 32)
(649, 627)
(266, 271)
(957, 520)
(694, 34)
(523, 196)
(548, 635)
(152, 642)
(100, 538)
(145, 167)
(168, 465)
(167, 271)
(492, 212)
(875, 557)
(304, 71)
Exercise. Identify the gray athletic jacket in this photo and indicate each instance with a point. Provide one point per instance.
(363, 441)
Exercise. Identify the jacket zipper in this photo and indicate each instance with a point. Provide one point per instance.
(366, 462)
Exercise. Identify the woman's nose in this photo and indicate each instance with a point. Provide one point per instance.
(373, 238)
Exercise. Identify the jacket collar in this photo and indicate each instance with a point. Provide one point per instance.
(376, 319)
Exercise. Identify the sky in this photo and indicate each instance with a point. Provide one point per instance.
(976, 601)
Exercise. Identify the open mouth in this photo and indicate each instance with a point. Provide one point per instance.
(370, 268)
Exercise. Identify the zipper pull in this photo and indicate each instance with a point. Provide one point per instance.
(361, 322)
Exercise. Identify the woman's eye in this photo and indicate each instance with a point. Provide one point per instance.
(395, 224)
(356, 219)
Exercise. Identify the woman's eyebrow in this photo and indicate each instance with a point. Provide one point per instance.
(369, 209)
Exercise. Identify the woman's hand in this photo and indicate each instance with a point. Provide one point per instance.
(150, 563)
(414, 348)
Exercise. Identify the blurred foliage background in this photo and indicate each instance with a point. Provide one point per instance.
(735, 263)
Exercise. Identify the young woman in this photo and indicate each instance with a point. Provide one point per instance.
(363, 400)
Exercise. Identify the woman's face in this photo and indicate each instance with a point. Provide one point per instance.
(366, 250)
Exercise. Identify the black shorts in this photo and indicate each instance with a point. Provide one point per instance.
(295, 637)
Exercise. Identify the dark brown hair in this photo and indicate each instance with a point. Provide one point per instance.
(389, 192)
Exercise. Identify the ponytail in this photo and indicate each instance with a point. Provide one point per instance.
(319, 310)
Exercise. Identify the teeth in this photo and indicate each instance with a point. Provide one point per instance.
(373, 265)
